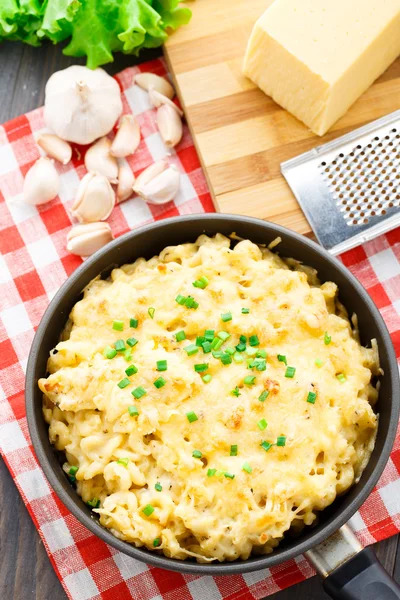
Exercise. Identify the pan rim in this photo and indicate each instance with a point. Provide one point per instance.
(254, 563)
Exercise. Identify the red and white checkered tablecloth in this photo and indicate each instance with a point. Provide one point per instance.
(34, 263)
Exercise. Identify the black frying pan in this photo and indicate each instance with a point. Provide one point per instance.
(350, 572)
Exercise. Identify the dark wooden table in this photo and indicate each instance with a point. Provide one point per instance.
(25, 570)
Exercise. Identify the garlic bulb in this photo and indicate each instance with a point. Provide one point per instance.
(158, 99)
(55, 147)
(94, 199)
(158, 184)
(169, 125)
(42, 182)
(126, 179)
(85, 240)
(99, 160)
(149, 80)
(127, 138)
(81, 104)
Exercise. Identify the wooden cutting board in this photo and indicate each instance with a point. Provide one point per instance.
(241, 135)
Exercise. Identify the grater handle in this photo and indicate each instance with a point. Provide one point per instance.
(362, 578)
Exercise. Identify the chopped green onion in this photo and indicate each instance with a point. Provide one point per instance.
(191, 349)
(217, 353)
(156, 542)
(73, 471)
(243, 339)
(226, 317)
(201, 367)
(162, 365)
(327, 339)
(120, 345)
(226, 358)
(229, 475)
(206, 347)
(202, 282)
(123, 461)
(190, 302)
(128, 354)
(258, 363)
(151, 312)
(148, 510)
(261, 354)
(180, 336)
(219, 472)
(282, 358)
(241, 347)
(200, 340)
(197, 454)
(94, 503)
(311, 398)
(216, 343)
(132, 342)
(206, 378)
(318, 362)
(341, 377)
(230, 350)
(191, 416)
(158, 487)
(124, 383)
(238, 358)
(249, 380)
(224, 335)
(209, 335)
(118, 325)
(235, 392)
(281, 440)
(211, 472)
(245, 311)
(263, 396)
(246, 467)
(266, 446)
(133, 323)
(180, 299)
(234, 450)
(262, 424)
(290, 371)
(133, 411)
(159, 383)
(138, 392)
(253, 340)
(109, 352)
(131, 370)
(251, 351)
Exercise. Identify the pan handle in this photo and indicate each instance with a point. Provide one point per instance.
(351, 572)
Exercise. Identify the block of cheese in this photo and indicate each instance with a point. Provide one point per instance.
(316, 57)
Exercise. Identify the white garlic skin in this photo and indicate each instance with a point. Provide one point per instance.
(157, 100)
(55, 147)
(42, 182)
(94, 199)
(85, 240)
(81, 104)
(127, 138)
(169, 125)
(158, 186)
(151, 80)
(99, 160)
(126, 179)
(149, 174)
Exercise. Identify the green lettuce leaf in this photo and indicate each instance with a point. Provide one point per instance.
(58, 18)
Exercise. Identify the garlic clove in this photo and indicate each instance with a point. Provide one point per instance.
(149, 174)
(55, 147)
(94, 199)
(42, 182)
(85, 240)
(158, 99)
(127, 138)
(169, 125)
(126, 179)
(99, 160)
(82, 104)
(150, 80)
(162, 188)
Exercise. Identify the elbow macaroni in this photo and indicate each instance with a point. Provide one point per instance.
(211, 507)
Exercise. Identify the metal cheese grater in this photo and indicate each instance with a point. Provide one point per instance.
(349, 189)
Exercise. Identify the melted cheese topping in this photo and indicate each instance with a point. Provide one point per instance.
(120, 458)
